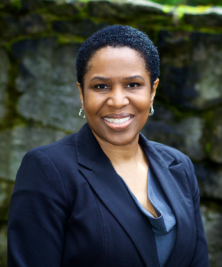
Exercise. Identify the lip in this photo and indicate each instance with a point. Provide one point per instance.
(117, 115)
(119, 126)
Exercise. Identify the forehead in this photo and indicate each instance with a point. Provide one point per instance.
(113, 59)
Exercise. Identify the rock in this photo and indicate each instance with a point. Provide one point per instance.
(191, 130)
(210, 181)
(47, 79)
(4, 3)
(4, 68)
(203, 173)
(28, 5)
(11, 24)
(84, 27)
(3, 244)
(32, 23)
(186, 135)
(27, 24)
(105, 9)
(162, 114)
(16, 142)
(192, 64)
(162, 132)
(203, 20)
(5, 195)
(212, 220)
(67, 9)
(216, 138)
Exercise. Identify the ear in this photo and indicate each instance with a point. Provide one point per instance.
(155, 84)
(81, 95)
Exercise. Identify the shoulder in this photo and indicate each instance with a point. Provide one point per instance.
(58, 152)
(162, 149)
(179, 158)
(68, 140)
(48, 165)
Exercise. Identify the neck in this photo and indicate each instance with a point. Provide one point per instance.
(119, 155)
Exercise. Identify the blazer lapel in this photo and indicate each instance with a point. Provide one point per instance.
(103, 179)
(174, 183)
(98, 171)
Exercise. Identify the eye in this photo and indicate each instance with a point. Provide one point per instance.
(101, 86)
(129, 85)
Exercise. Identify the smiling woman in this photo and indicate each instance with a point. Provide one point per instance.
(106, 196)
(117, 95)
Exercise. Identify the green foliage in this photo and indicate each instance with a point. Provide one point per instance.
(162, 2)
(182, 9)
(16, 4)
(204, 2)
(208, 147)
(67, 39)
(190, 2)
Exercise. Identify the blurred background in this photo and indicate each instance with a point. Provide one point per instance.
(190, 2)
(39, 100)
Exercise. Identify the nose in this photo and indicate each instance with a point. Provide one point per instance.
(117, 98)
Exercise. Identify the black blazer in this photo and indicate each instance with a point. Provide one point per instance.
(70, 208)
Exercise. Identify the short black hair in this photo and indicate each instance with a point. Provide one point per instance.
(118, 36)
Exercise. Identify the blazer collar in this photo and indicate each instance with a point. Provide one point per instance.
(88, 149)
(172, 178)
(98, 171)
(110, 189)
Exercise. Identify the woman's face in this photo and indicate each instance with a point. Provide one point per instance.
(117, 95)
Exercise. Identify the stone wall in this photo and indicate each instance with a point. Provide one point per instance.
(39, 99)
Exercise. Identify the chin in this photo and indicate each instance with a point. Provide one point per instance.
(119, 140)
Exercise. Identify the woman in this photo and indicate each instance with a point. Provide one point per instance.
(107, 196)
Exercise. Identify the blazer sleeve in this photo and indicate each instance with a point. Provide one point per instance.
(37, 215)
(200, 258)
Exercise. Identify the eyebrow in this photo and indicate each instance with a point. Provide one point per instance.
(108, 79)
(133, 77)
(100, 78)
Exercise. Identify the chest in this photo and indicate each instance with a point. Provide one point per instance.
(106, 226)
(137, 181)
(101, 230)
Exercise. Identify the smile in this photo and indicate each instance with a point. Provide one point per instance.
(117, 121)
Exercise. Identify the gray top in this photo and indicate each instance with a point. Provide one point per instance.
(164, 227)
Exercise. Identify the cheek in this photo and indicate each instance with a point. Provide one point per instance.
(92, 103)
(142, 103)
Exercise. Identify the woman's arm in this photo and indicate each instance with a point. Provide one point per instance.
(200, 258)
(38, 214)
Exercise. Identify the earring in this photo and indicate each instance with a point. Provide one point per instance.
(151, 111)
(80, 114)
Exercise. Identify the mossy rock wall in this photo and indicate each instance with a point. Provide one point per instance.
(39, 99)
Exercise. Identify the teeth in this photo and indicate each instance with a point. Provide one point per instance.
(117, 121)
